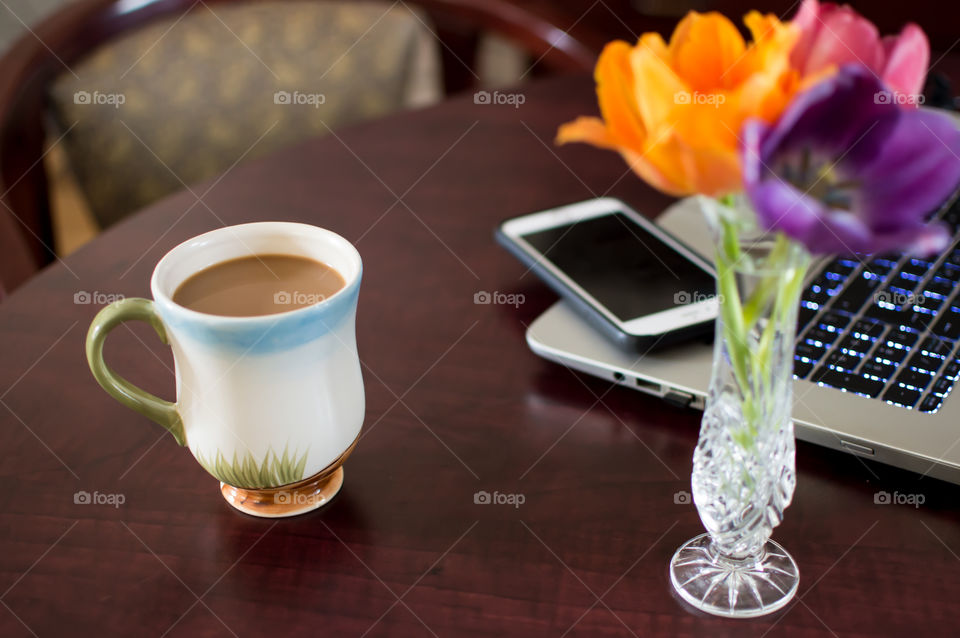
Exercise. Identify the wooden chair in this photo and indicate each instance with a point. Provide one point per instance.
(38, 58)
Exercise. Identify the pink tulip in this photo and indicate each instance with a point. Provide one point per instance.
(833, 35)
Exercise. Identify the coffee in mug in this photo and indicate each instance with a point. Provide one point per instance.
(258, 285)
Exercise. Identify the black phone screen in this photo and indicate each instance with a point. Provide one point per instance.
(630, 271)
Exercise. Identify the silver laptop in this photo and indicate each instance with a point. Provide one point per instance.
(901, 413)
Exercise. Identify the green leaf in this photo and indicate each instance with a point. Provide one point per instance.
(301, 466)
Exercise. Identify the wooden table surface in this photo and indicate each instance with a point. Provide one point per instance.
(456, 403)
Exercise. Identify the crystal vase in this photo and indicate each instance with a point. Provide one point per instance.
(743, 465)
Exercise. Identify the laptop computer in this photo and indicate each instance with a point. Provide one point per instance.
(876, 355)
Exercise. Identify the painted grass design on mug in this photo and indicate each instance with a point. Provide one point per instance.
(246, 472)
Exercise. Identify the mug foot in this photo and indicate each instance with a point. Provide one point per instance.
(287, 500)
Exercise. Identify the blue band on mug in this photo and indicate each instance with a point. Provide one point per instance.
(267, 334)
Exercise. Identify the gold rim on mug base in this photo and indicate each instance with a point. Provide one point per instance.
(292, 499)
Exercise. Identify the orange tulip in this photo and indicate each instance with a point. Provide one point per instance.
(674, 111)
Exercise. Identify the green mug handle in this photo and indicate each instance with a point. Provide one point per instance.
(155, 408)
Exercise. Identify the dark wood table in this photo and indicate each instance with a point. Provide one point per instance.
(456, 404)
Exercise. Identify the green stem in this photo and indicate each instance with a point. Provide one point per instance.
(775, 293)
(770, 290)
(731, 311)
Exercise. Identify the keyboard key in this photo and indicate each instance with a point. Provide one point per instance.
(842, 266)
(843, 361)
(948, 324)
(834, 321)
(883, 263)
(852, 344)
(916, 268)
(938, 287)
(927, 305)
(868, 329)
(901, 339)
(917, 321)
(952, 217)
(925, 362)
(820, 290)
(820, 337)
(891, 355)
(936, 347)
(900, 395)
(878, 369)
(905, 319)
(809, 351)
(890, 297)
(886, 314)
(851, 262)
(948, 272)
(848, 381)
(804, 316)
(856, 293)
(952, 369)
(801, 368)
(903, 283)
(914, 379)
(930, 403)
(942, 386)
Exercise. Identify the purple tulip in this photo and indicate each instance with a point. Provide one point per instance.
(846, 171)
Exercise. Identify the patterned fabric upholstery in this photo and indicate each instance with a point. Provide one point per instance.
(184, 99)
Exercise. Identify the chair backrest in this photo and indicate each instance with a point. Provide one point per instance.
(181, 100)
(38, 58)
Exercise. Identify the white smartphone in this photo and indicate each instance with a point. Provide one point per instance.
(635, 282)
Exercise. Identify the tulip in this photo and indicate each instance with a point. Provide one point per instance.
(674, 111)
(832, 36)
(841, 173)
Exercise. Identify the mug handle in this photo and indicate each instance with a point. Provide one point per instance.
(155, 408)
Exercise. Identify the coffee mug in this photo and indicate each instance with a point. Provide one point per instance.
(270, 405)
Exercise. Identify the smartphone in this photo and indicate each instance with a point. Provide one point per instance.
(636, 283)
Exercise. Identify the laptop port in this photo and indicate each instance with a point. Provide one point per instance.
(649, 386)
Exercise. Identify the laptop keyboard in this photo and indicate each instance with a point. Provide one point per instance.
(887, 327)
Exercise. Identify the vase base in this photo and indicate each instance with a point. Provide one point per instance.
(734, 589)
